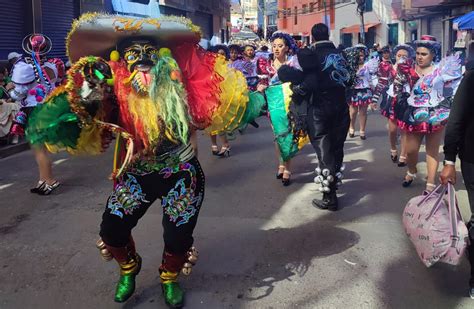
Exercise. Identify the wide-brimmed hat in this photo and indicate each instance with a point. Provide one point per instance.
(408, 48)
(97, 34)
(429, 41)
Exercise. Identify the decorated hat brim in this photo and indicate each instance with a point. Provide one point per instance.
(98, 34)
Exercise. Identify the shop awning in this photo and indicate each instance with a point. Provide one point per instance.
(356, 28)
(465, 22)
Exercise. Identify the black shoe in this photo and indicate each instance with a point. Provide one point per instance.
(402, 164)
(328, 202)
(286, 181)
(351, 135)
(363, 137)
(224, 153)
(39, 187)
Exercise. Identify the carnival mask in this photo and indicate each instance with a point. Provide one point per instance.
(140, 59)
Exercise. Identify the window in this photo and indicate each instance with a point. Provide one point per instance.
(320, 5)
(288, 12)
(311, 7)
(296, 15)
(305, 8)
(393, 34)
(368, 6)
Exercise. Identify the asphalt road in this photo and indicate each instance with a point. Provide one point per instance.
(262, 245)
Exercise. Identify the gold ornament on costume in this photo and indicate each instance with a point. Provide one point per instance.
(106, 255)
(192, 256)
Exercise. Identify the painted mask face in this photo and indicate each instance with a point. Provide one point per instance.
(140, 59)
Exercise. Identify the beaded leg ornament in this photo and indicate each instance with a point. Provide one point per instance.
(328, 181)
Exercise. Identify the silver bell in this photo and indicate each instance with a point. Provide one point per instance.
(330, 178)
(317, 171)
(326, 172)
(325, 183)
(317, 179)
(327, 190)
(321, 189)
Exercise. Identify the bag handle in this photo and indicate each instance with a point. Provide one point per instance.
(438, 202)
(454, 212)
(431, 194)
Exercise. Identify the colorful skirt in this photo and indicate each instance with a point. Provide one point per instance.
(360, 97)
(288, 141)
(422, 119)
(387, 106)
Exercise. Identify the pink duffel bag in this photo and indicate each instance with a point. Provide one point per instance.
(435, 226)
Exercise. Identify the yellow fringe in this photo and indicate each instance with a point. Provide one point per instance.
(287, 94)
(144, 111)
(233, 97)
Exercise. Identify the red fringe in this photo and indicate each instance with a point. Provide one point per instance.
(122, 92)
(201, 82)
(423, 127)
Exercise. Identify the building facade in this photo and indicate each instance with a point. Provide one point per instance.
(380, 25)
(433, 17)
(54, 18)
(298, 16)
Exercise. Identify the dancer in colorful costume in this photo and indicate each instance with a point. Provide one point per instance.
(157, 87)
(386, 75)
(323, 84)
(279, 99)
(424, 95)
(360, 94)
(34, 77)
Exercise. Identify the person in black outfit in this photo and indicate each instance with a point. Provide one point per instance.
(458, 140)
(325, 77)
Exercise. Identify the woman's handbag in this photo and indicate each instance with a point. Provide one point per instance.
(435, 226)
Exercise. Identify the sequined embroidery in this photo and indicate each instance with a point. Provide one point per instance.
(179, 203)
(126, 197)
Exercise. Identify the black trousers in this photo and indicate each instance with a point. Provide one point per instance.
(180, 188)
(328, 123)
(467, 170)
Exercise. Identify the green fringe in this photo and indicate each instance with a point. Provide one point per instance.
(171, 97)
(53, 123)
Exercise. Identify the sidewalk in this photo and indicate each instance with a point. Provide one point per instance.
(9, 150)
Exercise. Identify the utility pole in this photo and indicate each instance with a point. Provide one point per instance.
(325, 13)
(265, 21)
(360, 11)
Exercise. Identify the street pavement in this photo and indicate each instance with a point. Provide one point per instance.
(261, 245)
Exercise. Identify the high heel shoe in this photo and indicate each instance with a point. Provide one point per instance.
(281, 170)
(225, 152)
(215, 150)
(286, 180)
(48, 189)
(407, 182)
(402, 161)
(351, 134)
(362, 136)
(394, 155)
(39, 187)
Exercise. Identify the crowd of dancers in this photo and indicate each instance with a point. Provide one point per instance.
(158, 87)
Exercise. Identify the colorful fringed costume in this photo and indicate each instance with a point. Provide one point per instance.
(424, 102)
(157, 88)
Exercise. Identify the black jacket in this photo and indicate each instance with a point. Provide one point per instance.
(325, 67)
(459, 138)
